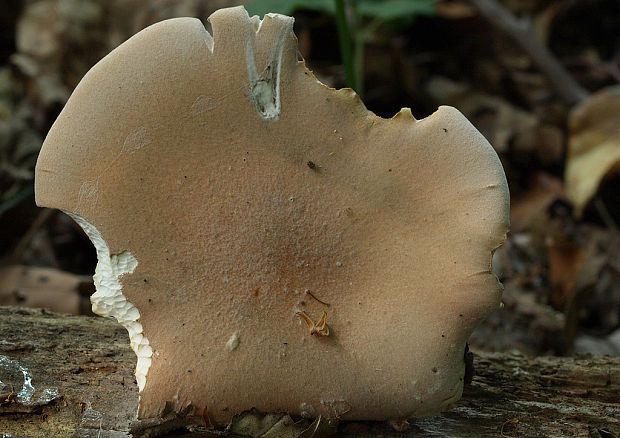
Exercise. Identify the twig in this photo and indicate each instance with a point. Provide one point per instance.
(512, 420)
(320, 301)
(609, 222)
(521, 31)
(606, 217)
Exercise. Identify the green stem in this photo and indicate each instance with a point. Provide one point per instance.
(358, 61)
(361, 36)
(344, 37)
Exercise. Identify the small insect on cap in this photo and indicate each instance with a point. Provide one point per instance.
(186, 160)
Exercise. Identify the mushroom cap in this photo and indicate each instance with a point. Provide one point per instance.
(247, 193)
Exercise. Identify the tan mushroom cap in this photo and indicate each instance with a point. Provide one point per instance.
(241, 207)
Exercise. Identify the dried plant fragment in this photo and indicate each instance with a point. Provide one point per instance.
(320, 328)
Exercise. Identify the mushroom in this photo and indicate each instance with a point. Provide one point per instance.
(185, 159)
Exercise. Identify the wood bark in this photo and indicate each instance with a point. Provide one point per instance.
(85, 366)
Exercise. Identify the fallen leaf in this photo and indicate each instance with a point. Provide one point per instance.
(455, 10)
(593, 146)
(544, 145)
(535, 202)
(41, 287)
(566, 261)
(39, 30)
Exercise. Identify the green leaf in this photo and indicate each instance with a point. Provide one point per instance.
(288, 7)
(388, 10)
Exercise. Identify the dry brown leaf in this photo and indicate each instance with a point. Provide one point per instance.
(544, 145)
(594, 145)
(39, 30)
(40, 287)
(535, 202)
(455, 10)
(565, 263)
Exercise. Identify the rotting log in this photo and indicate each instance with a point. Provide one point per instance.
(85, 366)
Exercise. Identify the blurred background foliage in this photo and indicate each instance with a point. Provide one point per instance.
(561, 263)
